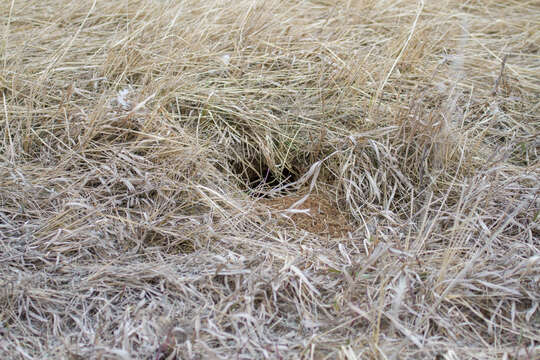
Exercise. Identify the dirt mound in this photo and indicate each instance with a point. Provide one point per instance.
(317, 214)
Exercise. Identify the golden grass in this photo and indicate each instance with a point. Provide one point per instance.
(138, 137)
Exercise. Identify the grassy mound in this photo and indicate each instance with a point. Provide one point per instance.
(269, 179)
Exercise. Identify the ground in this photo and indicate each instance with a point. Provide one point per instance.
(188, 179)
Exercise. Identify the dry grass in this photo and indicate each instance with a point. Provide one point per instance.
(395, 144)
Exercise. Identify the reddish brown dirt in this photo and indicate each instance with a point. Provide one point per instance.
(324, 217)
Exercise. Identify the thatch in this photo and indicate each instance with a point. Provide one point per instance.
(269, 179)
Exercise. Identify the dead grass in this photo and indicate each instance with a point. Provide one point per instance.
(269, 179)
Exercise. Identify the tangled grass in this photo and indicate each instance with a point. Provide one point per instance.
(274, 179)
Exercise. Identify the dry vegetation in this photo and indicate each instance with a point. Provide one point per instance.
(269, 179)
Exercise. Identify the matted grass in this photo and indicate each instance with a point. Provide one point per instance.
(269, 179)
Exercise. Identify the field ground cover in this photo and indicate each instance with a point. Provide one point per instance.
(269, 179)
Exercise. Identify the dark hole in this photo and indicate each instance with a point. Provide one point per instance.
(269, 180)
(260, 179)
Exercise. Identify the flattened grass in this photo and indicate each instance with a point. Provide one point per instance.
(138, 138)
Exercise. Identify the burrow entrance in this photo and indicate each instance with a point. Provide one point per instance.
(262, 180)
(259, 178)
